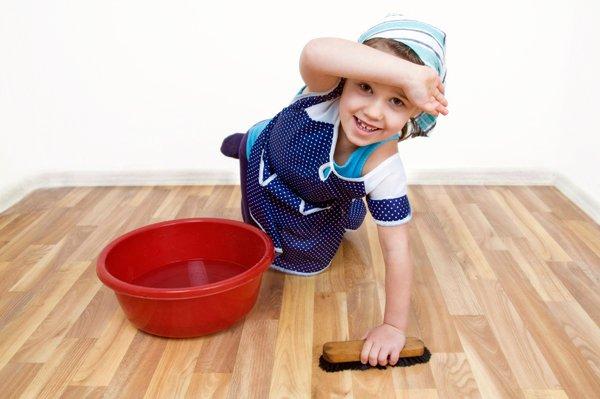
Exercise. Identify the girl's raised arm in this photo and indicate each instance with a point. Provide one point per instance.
(324, 60)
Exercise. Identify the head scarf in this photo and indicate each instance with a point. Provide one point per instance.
(426, 40)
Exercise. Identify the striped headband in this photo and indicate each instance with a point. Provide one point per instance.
(426, 40)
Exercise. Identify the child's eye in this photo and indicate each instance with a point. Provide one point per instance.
(366, 87)
(363, 85)
(400, 102)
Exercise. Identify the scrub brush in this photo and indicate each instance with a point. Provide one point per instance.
(345, 355)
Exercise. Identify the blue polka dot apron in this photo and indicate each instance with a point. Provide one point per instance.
(294, 193)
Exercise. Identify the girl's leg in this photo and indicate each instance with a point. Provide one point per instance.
(234, 146)
(231, 145)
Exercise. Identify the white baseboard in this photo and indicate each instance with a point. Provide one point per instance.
(480, 176)
(586, 202)
(483, 176)
(13, 194)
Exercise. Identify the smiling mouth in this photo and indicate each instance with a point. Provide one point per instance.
(364, 127)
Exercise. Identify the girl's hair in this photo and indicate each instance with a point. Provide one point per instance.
(406, 53)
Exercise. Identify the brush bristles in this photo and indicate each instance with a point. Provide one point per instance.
(402, 362)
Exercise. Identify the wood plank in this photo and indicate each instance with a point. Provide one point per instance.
(16, 377)
(581, 330)
(453, 376)
(134, 372)
(587, 232)
(39, 200)
(545, 394)
(498, 217)
(91, 322)
(540, 276)
(558, 203)
(71, 392)
(53, 376)
(293, 346)
(529, 367)
(12, 271)
(583, 290)
(253, 372)
(489, 365)
(570, 368)
(220, 350)
(74, 197)
(40, 346)
(481, 229)
(174, 371)
(107, 353)
(18, 330)
(330, 324)
(208, 385)
(460, 240)
(435, 325)
(538, 238)
(456, 291)
(570, 242)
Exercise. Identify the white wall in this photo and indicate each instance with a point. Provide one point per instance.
(123, 87)
(577, 154)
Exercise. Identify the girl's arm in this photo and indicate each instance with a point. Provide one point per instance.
(324, 60)
(398, 274)
(387, 340)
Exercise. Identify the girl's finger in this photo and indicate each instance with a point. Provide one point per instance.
(394, 356)
(364, 354)
(440, 97)
(433, 109)
(430, 106)
(374, 354)
(443, 110)
(440, 86)
(383, 356)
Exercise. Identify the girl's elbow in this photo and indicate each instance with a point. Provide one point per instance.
(309, 50)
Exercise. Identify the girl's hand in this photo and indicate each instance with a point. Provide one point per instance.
(382, 341)
(426, 90)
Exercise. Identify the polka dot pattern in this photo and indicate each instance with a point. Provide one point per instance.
(305, 216)
(389, 210)
(356, 214)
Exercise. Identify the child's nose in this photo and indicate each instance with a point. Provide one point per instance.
(373, 112)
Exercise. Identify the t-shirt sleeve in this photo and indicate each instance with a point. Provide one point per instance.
(388, 199)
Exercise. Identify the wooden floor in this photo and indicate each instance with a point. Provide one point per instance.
(506, 296)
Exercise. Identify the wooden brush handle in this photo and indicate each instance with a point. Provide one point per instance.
(349, 351)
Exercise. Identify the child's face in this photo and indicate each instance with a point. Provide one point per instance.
(381, 106)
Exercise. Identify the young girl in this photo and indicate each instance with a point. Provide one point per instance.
(305, 171)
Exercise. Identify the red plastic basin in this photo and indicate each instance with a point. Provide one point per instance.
(186, 277)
